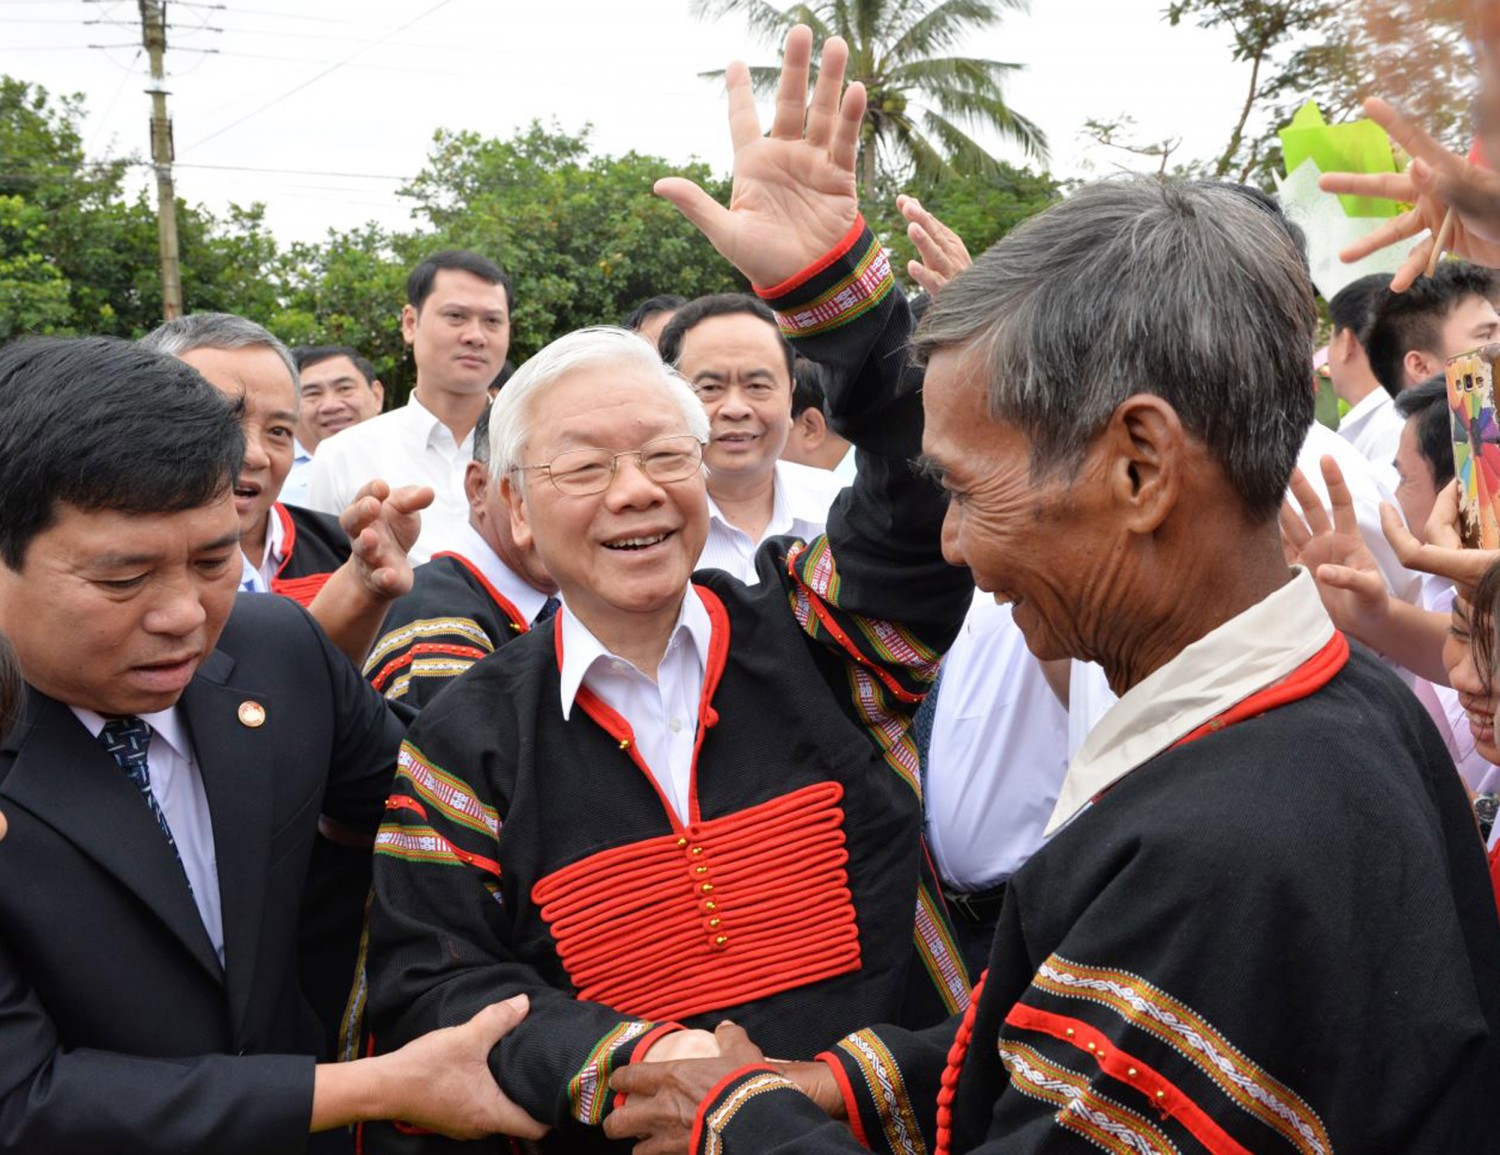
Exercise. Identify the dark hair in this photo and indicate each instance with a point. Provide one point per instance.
(807, 387)
(1414, 319)
(12, 687)
(306, 355)
(661, 303)
(481, 451)
(1428, 403)
(1353, 306)
(1193, 292)
(419, 282)
(103, 424)
(718, 305)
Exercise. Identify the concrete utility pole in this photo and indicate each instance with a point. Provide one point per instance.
(154, 37)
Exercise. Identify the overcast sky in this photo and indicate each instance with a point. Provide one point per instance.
(359, 86)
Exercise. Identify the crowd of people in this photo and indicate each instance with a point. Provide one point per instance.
(986, 715)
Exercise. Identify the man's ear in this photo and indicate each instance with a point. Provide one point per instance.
(520, 517)
(408, 324)
(812, 427)
(378, 389)
(1340, 345)
(1420, 365)
(1149, 448)
(476, 482)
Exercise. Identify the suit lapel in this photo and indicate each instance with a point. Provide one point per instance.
(63, 776)
(236, 761)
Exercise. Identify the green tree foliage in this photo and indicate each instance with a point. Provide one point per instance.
(921, 100)
(582, 237)
(1337, 52)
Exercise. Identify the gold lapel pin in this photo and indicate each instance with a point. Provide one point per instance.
(252, 714)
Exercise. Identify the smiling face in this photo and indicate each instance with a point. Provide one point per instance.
(335, 395)
(737, 366)
(257, 374)
(1478, 698)
(460, 336)
(113, 612)
(622, 557)
(1038, 543)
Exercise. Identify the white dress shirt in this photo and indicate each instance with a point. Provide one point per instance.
(997, 755)
(294, 488)
(527, 600)
(407, 446)
(1228, 664)
(1374, 427)
(800, 498)
(1368, 488)
(662, 713)
(179, 791)
(256, 579)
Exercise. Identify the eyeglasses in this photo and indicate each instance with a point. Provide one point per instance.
(579, 472)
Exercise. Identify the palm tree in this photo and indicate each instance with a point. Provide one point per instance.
(918, 99)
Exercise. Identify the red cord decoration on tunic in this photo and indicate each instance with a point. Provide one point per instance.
(722, 912)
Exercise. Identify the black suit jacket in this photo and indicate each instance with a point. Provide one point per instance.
(119, 1030)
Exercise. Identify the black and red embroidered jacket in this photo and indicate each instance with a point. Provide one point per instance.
(523, 852)
(314, 545)
(1279, 936)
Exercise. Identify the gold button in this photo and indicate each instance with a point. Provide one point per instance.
(710, 905)
(1161, 1094)
(697, 850)
(707, 888)
(713, 923)
(1070, 1032)
(1132, 1072)
(1092, 1047)
(252, 714)
(700, 870)
(722, 940)
(681, 842)
(1100, 1055)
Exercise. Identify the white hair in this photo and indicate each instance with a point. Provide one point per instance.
(510, 415)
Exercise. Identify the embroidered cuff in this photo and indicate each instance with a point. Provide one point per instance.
(724, 1101)
(845, 283)
(875, 1093)
(588, 1089)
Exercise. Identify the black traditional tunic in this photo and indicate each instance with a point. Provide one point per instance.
(313, 546)
(525, 852)
(1278, 936)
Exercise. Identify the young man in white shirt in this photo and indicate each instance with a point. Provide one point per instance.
(732, 353)
(457, 322)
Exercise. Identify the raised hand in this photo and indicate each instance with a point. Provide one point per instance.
(1331, 548)
(383, 524)
(793, 197)
(1437, 180)
(1443, 552)
(942, 253)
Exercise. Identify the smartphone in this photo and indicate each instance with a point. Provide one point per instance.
(1476, 445)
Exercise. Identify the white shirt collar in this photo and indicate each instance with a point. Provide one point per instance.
(434, 433)
(166, 724)
(791, 502)
(1366, 407)
(1246, 654)
(527, 600)
(580, 649)
(257, 578)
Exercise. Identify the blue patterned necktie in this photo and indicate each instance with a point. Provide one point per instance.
(549, 607)
(128, 740)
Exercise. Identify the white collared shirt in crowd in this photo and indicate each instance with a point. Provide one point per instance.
(407, 446)
(663, 714)
(256, 579)
(1374, 427)
(800, 498)
(178, 787)
(527, 600)
(294, 488)
(1228, 664)
(997, 755)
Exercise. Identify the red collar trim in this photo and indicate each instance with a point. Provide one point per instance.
(288, 536)
(1306, 680)
(611, 722)
(505, 605)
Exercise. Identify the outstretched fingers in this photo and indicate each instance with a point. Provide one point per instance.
(823, 111)
(744, 121)
(844, 148)
(791, 93)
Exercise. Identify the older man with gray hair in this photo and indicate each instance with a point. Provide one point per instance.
(1262, 920)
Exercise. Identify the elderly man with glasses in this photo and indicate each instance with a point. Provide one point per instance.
(689, 798)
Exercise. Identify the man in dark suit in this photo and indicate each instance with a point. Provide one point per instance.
(163, 786)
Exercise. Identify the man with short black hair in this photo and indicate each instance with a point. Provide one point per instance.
(163, 789)
(812, 441)
(339, 389)
(1370, 425)
(457, 322)
(1414, 332)
(731, 351)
